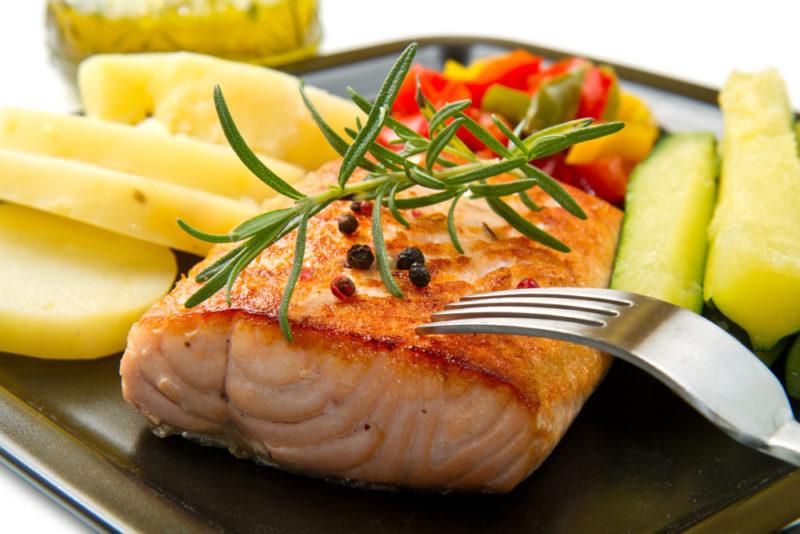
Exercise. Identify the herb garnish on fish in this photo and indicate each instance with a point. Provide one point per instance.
(450, 169)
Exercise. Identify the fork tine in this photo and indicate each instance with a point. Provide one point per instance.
(564, 330)
(543, 302)
(508, 312)
(606, 296)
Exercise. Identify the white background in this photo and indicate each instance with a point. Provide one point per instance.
(700, 41)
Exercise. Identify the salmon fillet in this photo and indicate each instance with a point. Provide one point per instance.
(359, 397)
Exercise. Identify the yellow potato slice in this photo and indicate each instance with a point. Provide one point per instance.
(135, 206)
(177, 159)
(72, 291)
(753, 268)
(176, 89)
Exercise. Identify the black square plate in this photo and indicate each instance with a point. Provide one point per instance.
(637, 459)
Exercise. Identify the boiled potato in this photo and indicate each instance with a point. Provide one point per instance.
(177, 159)
(132, 205)
(176, 89)
(72, 291)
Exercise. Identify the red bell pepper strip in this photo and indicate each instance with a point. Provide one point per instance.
(431, 81)
(512, 70)
(605, 177)
(594, 93)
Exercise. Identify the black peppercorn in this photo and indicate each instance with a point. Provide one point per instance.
(408, 257)
(419, 275)
(360, 257)
(347, 224)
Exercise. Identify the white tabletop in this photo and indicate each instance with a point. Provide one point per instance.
(693, 40)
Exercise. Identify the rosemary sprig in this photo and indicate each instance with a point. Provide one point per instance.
(450, 171)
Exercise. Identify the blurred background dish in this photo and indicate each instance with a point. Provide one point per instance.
(268, 32)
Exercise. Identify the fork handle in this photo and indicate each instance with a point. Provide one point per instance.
(785, 443)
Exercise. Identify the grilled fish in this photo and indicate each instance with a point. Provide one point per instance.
(359, 397)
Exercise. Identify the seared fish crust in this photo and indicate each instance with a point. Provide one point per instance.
(359, 396)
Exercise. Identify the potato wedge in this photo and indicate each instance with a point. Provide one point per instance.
(70, 290)
(135, 206)
(176, 89)
(753, 270)
(176, 159)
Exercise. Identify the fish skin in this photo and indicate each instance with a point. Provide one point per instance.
(358, 396)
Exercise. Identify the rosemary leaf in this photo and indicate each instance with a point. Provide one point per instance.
(388, 158)
(555, 190)
(557, 129)
(294, 275)
(441, 141)
(502, 190)
(381, 254)
(365, 138)
(512, 137)
(485, 137)
(377, 115)
(204, 236)
(333, 139)
(523, 226)
(451, 224)
(253, 248)
(244, 153)
(338, 144)
(219, 264)
(548, 146)
(426, 200)
(528, 201)
(424, 179)
(447, 111)
(259, 223)
(398, 127)
(292, 224)
(212, 285)
(422, 102)
(545, 146)
(414, 147)
(593, 132)
(488, 171)
(391, 201)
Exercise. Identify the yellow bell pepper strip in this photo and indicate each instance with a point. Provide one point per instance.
(453, 70)
(633, 143)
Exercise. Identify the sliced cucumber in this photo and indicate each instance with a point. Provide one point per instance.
(668, 207)
(793, 370)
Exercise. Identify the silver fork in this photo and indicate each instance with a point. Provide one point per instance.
(701, 362)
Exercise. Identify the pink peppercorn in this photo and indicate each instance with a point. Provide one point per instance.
(364, 207)
(343, 288)
(527, 283)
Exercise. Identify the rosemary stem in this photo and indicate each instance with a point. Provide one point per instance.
(467, 167)
(349, 189)
(374, 184)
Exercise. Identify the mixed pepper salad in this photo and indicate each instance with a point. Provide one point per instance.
(528, 95)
